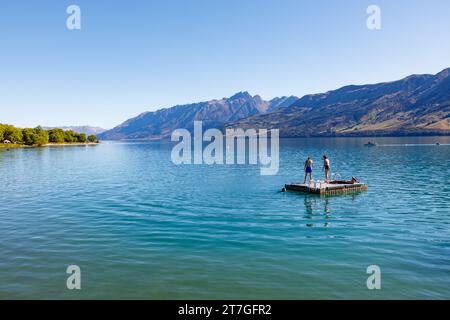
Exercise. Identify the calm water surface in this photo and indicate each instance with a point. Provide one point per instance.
(140, 227)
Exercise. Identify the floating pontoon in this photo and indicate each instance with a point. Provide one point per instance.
(327, 188)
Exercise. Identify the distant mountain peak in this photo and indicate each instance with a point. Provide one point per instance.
(214, 114)
(241, 95)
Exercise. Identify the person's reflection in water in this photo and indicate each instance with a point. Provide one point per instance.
(309, 210)
(327, 211)
(310, 203)
(327, 206)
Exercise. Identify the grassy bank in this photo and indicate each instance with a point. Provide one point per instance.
(11, 146)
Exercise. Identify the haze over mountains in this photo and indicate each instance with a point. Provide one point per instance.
(418, 104)
(88, 130)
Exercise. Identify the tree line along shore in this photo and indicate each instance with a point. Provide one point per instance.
(11, 136)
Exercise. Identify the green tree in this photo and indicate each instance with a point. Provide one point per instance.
(2, 132)
(41, 136)
(12, 133)
(92, 138)
(56, 135)
(82, 137)
(29, 136)
(70, 136)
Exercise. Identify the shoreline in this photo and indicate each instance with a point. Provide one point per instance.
(70, 144)
(20, 146)
(168, 139)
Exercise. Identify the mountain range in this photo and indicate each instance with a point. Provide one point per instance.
(415, 105)
(214, 114)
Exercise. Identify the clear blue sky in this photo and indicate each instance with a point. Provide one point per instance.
(134, 56)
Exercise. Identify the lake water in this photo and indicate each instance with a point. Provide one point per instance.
(140, 227)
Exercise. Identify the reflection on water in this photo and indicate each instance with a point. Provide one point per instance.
(318, 209)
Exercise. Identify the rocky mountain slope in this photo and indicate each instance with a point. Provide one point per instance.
(418, 104)
(214, 114)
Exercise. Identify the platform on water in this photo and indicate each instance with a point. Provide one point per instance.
(326, 188)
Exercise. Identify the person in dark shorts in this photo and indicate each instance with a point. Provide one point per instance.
(326, 167)
(308, 168)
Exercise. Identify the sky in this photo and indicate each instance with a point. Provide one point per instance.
(134, 56)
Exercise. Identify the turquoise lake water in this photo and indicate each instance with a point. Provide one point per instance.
(140, 227)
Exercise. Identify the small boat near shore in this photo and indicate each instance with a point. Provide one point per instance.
(370, 144)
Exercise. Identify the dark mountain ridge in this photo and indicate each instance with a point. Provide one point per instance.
(418, 104)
